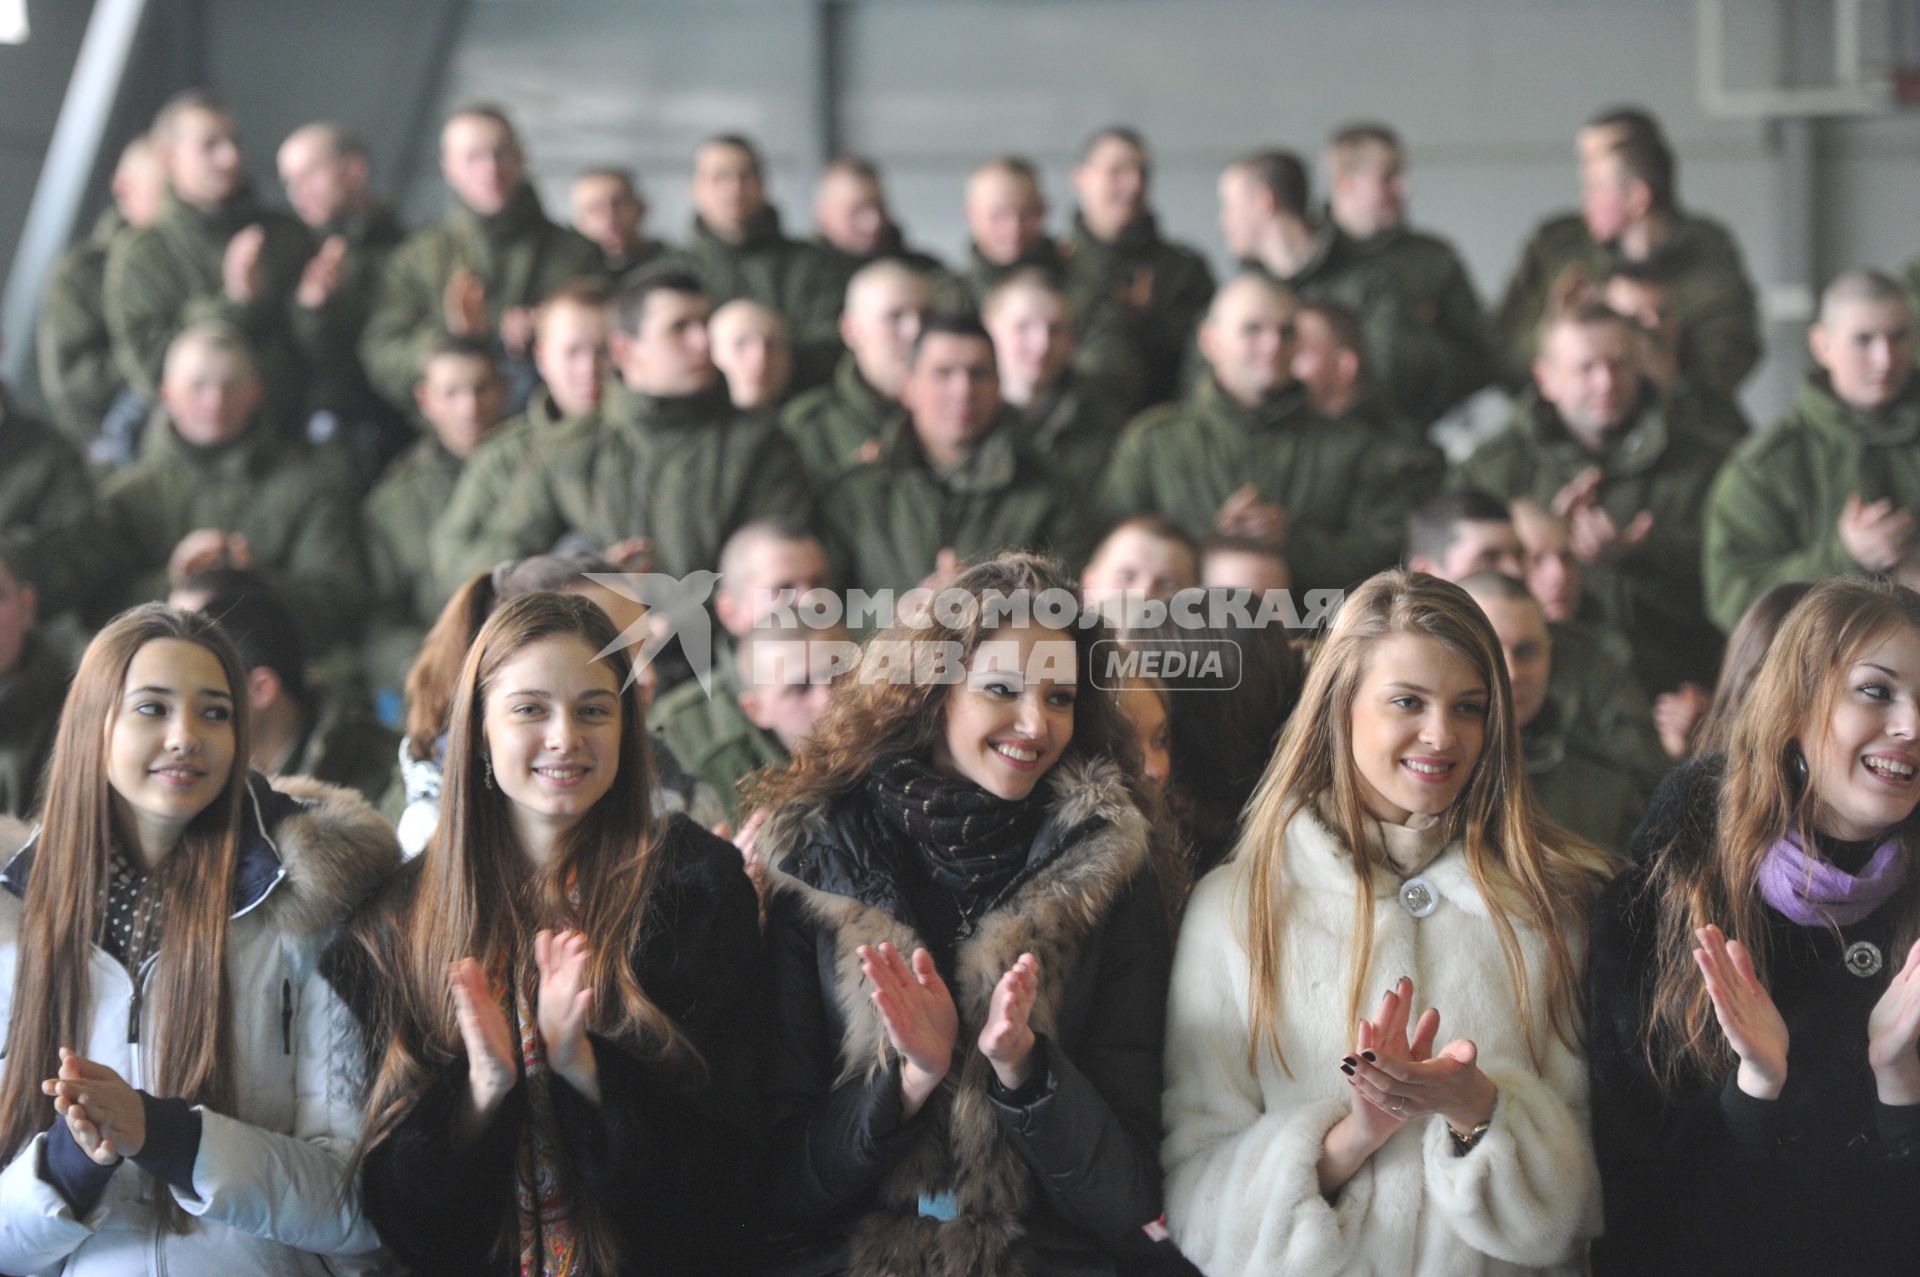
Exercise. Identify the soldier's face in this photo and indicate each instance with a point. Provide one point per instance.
(1243, 212)
(1528, 649)
(1005, 215)
(1607, 199)
(952, 391)
(851, 212)
(320, 183)
(1372, 195)
(727, 190)
(1032, 336)
(1249, 340)
(1112, 185)
(606, 211)
(1326, 368)
(1135, 561)
(671, 355)
(1867, 349)
(881, 325)
(570, 350)
(461, 398)
(1591, 374)
(481, 162)
(1554, 575)
(750, 348)
(203, 158)
(210, 394)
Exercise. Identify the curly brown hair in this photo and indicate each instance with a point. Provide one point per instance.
(875, 712)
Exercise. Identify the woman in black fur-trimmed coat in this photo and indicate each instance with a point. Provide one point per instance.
(992, 1104)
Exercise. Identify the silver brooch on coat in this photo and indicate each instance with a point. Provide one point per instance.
(1418, 895)
(1864, 958)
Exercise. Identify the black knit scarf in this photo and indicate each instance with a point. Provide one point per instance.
(973, 843)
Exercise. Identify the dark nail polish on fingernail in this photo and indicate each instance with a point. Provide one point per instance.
(1347, 1069)
(1368, 1056)
(1347, 1059)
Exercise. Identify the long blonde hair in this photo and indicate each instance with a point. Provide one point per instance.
(1524, 865)
(1761, 800)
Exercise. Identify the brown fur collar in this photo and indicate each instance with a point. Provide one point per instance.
(1052, 916)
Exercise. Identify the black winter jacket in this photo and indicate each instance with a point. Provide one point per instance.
(1062, 1178)
(1824, 1179)
(663, 1155)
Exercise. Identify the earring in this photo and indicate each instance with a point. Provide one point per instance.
(1797, 764)
(486, 761)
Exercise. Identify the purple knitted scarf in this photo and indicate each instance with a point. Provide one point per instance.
(1814, 893)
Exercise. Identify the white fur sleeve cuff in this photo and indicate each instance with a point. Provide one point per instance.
(1250, 1202)
(1530, 1190)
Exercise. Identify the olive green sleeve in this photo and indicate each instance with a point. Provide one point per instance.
(405, 320)
(1758, 536)
(1391, 480)
(77, 372)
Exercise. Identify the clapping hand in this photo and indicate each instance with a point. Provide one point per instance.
(493, 1058)
(566, 1001)
(1892, 1033)
(1746, 1013)
(1407, 1079)
(106, 1117)
(922, 1022)
(1007, 1040)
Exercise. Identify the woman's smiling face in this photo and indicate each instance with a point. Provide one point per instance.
(1010, 719)
(1418, 723)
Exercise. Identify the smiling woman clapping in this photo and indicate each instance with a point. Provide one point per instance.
(1314, 1123)
(1755, 979)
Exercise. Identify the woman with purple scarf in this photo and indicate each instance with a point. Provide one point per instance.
(1755, 978)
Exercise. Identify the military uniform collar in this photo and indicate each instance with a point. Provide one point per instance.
(1896, 424)
(990, 466)
(231, 460)
(1636, 447)
(234, 214)
(761, 231)
(630, 410)
(1275, 412)
(521, 215)
(853, 388)
(1141, 235)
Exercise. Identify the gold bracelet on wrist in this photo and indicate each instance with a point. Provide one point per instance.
(1463, 1144)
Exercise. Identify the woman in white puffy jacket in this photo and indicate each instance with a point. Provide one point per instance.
(180, 1092)
(1314, 1124)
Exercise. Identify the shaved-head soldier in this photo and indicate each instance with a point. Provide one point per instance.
(1835, 487)
(483, 270)
(213, 252)
(1245, 455)
(326, 171)
(1594, 439)
(887, 302)
(1630, 210)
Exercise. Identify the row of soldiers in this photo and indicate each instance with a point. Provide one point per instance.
(877, 426)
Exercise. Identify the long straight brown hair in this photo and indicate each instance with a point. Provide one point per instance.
(64, 915)
(1525, 866)
(479, 897)
(1761, 800)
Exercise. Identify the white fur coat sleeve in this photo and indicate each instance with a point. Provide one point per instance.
(1243, 1189)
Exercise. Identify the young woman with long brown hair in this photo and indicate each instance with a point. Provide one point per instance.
(1314, 1125)
(430, 684)
(1755, 979)
(178, 1089)
(559, 990)
(969, 947)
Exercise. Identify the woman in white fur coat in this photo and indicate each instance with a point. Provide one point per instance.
(1304, 1139)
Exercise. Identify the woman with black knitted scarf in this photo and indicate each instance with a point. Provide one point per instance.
(1755, 978)
(970, 947)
